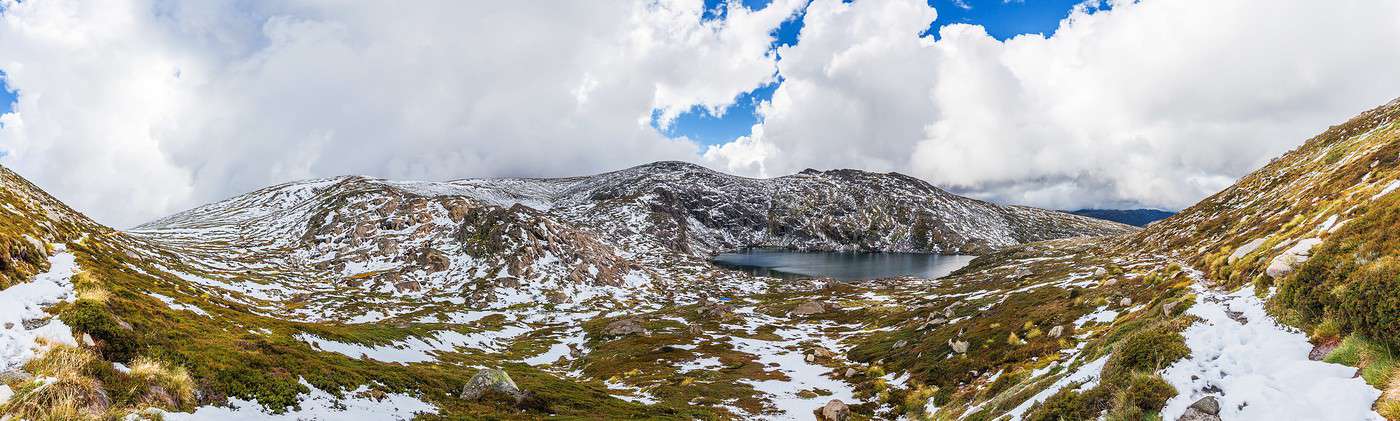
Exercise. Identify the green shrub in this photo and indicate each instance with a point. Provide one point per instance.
(1370, 304)
(1068, 405)
(1147, 350)
(1144, 392)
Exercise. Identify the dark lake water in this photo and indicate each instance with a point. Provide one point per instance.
(846, 266)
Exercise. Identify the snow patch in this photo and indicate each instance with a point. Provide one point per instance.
(317, 406)
(1262, 368)
(27, 302)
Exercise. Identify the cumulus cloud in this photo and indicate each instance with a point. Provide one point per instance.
(1151, 103)
(132, 109)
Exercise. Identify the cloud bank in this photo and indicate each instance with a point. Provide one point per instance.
(133, 109)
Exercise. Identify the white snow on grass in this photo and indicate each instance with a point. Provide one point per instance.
(1387, 190)
(1087, 373)
(1262, 368)
(317, 406)
(575, 336)
(27, 302)
(801, 374)
(170, 302)
(417, 350)
(1100, 315)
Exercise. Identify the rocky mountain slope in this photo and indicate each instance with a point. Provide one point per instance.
(587, 298)
(635, 234)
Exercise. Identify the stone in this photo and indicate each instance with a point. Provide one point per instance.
(948, 312)
(491, 380)
(1245, 250)
(87, 340)
(717, 311)
(809, 308)
(1021, 272)
(624, 327)
(1100, 272)
(408, 286)
(1205, 409)
(822, 353)
(958, 346)
(1126, 301)
(31, 324)
(1168, 307)
(834, 411)
(1283, 264)
(851, 372)
(1056, 331)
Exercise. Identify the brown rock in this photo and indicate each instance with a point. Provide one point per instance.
(809, 308)
(624, 327)
(834, 411)
(1205, 409)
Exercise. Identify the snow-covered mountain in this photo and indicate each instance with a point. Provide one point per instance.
(620, 235)
(356, 297)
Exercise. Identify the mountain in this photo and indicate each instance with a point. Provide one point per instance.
(618, 236)
(1134, 217)
(593, 297)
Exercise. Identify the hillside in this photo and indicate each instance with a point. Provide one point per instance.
(358, 298)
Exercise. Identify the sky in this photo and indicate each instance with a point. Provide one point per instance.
(130, 110)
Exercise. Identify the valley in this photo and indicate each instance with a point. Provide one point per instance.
(595, 298)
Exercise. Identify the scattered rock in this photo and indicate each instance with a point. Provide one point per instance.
(1236, 316)
(1205, 409)
(408, 286)
(851, 372)
(1284, 263)
(958, 346)
(1056, 331)
(1321, 350)
(948, 312)
(624, 327)
(1126, 301)
(1168, 307)
(490, 380)
(900, 344)
(717, 311)
(1110, 282)
(1245, 250)
(9, 325)
(809, 308)
(1100, 272)
(31, 324)
(87, 340)
(822, 353)
(834, 411)
(1021, 272)
(695, 330)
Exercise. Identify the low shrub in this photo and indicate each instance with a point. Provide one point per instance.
(1148, 350)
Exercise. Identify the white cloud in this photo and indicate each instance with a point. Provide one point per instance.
(131, 109)
(1154, 103)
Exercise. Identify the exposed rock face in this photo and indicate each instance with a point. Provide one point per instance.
(809, 308)
(624, 327)
(1246, 249)
(490, 380)
(835, 410)
(1291, 258)
(1205, 409)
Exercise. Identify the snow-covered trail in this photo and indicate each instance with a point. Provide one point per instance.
(1259, 369)
(22, 317)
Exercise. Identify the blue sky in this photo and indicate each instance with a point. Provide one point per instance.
(1003, 19)
(7, 98)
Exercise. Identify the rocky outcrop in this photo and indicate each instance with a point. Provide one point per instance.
(809, 308)
(488, 381)
(1205, 409)
(835, 410)
(624, 327)
(1291, 258)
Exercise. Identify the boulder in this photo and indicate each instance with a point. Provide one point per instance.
(958, 346)
(1056, 331)
(834, 411)
(1245, 250)
(1126, 301)
(717, 311)
(488, 381)
(851, 372)
(408, 286)
(624, 327)
(1205, 409)
(1284, 264)
(809, 308)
